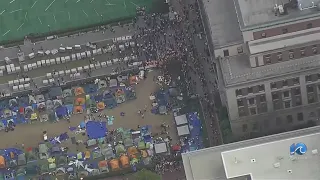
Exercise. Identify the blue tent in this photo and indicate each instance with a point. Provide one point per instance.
(61, 111)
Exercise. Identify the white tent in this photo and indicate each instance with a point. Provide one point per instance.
(183, 130)
(160, 148)
(181, 120)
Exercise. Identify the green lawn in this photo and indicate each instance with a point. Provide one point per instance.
(22, 17)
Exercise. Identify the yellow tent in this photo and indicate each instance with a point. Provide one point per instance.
(2, 162)
(34, 116)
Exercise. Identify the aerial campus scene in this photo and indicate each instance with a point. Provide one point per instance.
(159, 89)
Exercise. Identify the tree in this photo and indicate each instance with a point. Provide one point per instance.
(146, 175)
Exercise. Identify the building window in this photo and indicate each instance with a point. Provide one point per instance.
(318, 88)
(250, 90)
(253, 111)
(297, 91)
(244, 128)
(240, 50)
(291, 55)
(261, 88)
(284, 31)
(273, 85)
(285, 83)
(287, 104)
(286, 94)
(296, 81)
(298, 101)
(251, 101)
(308, 78)
(266, 123)
(226, 53)
(262, 98)
(309, 25)
(289, 119)
(278, 121)
(300, 116)
(311, 99)
(279, 55)
(255, 127)
(240, 102)
(238, 92)
(275, 96)
(302, 52)
(310, 89)
(314, 49)
(263, 35)
(267, 59)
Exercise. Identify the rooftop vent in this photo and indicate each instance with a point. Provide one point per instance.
(307, 4)
(253, 160)
(276, 165)
(315, 151)
(289, 171)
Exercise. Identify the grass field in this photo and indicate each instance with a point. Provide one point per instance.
(19, 18)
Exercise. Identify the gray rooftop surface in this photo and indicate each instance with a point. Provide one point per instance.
(207, 164)
(237, 70)
(222, 19)
(253, 14)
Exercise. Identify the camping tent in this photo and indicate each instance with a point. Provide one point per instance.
(120, 149)
(22, 159)
(13, 103)
(57, 103)
(103, 166)
(43, 151)
(41, 106)
(79, 101)
(78, 109)
(102, 84)
(78, 91)
(40, 98)
(124, 161)
(114, 164)
(100, 105)
(55, 92)
(2, 162)
(32, 99)
(49, 104)
(132, 151)
(66, 93)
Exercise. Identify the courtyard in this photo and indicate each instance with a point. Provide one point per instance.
(19, 18)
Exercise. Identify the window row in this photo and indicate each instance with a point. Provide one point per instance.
(289, 119)
(312, 77)
(251, 101)
(286, 30)
(285, 83)
(249, 90)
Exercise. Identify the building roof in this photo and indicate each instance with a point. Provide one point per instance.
(183, 130)
(218, 163)
(237, 70)
(254, 14)
(222, 21)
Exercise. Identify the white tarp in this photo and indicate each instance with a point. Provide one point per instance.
(160, 148)
(183, 130)
(181, 120)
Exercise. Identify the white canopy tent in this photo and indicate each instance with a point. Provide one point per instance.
(183, 130)
(161, 148)
(181, 120)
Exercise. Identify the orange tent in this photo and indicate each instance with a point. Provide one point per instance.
(78, 91)
(2, 162)
(101, 105)
(114, 164)
(78, 109)
(80, 101)
(124, 161)
(132, 151)
(103, 163)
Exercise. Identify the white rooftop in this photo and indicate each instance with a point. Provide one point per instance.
(181, 120)
(261, 158)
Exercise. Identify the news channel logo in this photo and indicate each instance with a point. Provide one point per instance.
(298, 148)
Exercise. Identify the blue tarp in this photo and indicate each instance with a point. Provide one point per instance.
(62, 111)
(162, 98)
(96, 130)
(6, 152)
(195, 141)
(70, 108)
(98, 97)
(61, 137)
